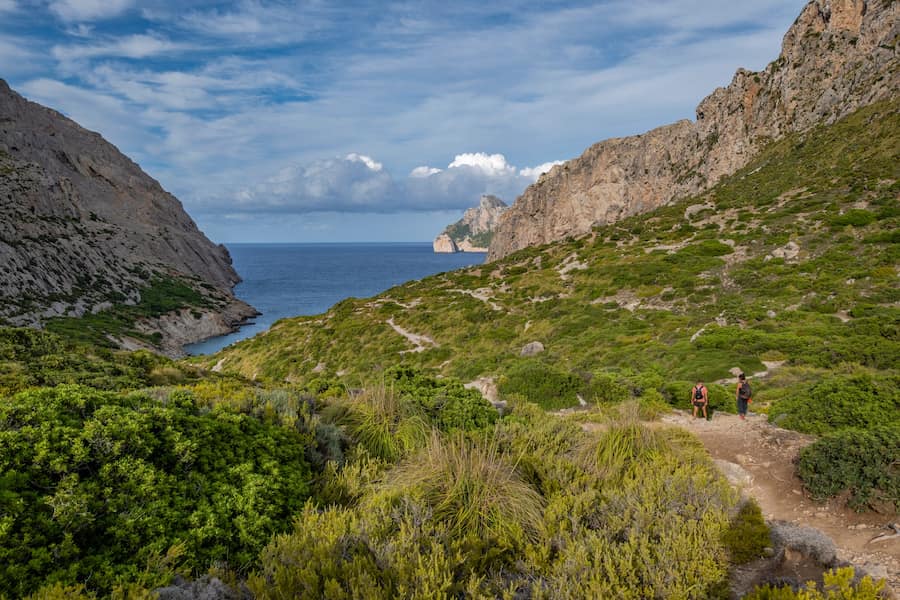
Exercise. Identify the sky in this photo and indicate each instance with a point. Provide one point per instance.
(371, 121)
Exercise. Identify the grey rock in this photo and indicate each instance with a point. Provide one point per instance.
(82, 226)
(531, 349)
(806, 541)
(835, 58)
(205, 588)
(736, 475)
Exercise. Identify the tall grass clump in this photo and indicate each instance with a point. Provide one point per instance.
(623, 447)
(474, 488)
(386, 425)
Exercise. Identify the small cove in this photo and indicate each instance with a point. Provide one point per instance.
(286, 280)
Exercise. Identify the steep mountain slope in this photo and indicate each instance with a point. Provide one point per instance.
(83, 227)
(474, 232)
(838, 56)
(794, 258)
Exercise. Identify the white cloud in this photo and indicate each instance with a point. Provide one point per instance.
(357, 183)
(535, 172)
(16, 57)
(132, 46)
(424, 171)
(490, 164)
(7, 6)
(88, 10)
(366, 160)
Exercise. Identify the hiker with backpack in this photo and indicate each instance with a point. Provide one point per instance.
(744, 396)
(700, 398)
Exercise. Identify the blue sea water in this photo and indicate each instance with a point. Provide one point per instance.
(286, 280)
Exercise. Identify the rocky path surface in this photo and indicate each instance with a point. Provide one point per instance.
(759, 457)
(421, 342)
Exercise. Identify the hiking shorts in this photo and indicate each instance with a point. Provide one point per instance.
(699, 403)
(742, 406)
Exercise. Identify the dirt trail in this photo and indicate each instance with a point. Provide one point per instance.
(766, 453)
(421, 342)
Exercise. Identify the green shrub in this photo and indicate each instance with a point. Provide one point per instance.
(858, 399)
(95, 485)
(448, 404)
(543, 384)
(855, 217)
(330, 554)
(747, 535)
(862, 462)
(839, 585)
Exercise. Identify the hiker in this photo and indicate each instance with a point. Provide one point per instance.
(700, 398)
(744, 395)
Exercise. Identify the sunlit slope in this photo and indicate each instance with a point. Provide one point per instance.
(793, 258)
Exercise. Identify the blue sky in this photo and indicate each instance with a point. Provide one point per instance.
(367, 121)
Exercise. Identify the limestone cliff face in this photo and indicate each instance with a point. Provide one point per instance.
(838, 56)
(472, 233)
(82, 226)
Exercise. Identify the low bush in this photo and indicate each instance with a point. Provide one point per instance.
(95, 485)
(857, 399)
(448, 404)
(748, 535)
(839, 584)
(540, 383)
(861, 462)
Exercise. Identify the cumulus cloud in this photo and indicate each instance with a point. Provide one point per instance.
(88, 10)
(132, 46)
(536, 172)
(490, 164)
(358, 183)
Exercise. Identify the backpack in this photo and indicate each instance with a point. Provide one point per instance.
(744, 392)
(698, 393)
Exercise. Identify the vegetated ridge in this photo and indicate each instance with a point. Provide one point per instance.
(474, 232)
(793, 258)
(838, 56)
(84, 229)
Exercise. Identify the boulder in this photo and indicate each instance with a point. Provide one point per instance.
(532, 349)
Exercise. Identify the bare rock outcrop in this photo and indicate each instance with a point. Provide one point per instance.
(838, 56)
(444, 244)
(82, 228)
(474, 232)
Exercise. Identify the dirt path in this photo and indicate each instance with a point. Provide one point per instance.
(766, 453)
(421, 342)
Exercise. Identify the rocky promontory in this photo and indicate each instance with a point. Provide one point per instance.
(83, 229)
(838, 56)
(474, 232)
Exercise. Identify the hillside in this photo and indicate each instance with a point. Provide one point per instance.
(793, 258)
(837, 57)
(83, 228)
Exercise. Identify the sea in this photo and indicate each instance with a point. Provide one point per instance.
(287, 280)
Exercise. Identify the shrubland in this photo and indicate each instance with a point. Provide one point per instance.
(790, 262)
(349, 467)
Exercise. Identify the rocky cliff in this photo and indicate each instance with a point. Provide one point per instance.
(838, 55)
(82, 228)
(472, 233)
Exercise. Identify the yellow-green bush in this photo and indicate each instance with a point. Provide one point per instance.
(839, 585)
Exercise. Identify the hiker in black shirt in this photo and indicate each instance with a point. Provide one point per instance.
(744, 395)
